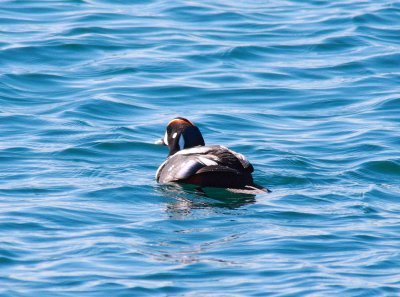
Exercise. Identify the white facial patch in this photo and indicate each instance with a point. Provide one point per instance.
(174, 135)
(166, 138)
(181, 142)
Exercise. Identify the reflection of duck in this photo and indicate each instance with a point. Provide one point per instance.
(186, 198)
(191, 162)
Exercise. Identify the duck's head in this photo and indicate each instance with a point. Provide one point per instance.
(181, 134)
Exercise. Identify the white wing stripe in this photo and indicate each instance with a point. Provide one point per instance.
(206, 161)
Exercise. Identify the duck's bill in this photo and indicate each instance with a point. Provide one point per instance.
(159, 142)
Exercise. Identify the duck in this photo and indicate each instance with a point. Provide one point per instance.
(190, 161)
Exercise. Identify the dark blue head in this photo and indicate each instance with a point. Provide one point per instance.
(181, 134)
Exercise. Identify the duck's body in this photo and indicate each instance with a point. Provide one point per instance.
(191, 162)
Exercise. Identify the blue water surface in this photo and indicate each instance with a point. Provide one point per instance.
(309, 91)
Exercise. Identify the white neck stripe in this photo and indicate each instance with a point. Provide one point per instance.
(181, 142)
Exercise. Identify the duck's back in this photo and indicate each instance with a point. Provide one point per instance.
(215, 166)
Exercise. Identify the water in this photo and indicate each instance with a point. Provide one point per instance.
(307, 90)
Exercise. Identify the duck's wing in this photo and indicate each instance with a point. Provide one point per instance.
(243, 160)
(232, 159)
(182, 166)
(189, 162)
(222, 155)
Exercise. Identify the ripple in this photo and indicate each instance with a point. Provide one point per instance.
(308, 91)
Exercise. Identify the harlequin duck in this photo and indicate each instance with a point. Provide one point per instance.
(191, 162)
